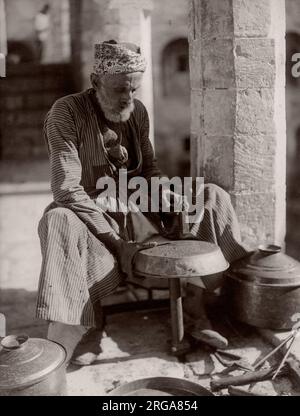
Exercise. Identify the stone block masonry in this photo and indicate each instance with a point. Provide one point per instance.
(237, 62)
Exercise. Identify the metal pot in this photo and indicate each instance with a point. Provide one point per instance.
(31, 367)
(263, 289)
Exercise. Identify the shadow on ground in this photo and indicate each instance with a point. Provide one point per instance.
(127, 334)
(137, 345)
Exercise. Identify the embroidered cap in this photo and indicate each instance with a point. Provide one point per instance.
(118, 58)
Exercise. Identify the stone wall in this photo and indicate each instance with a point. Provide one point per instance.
(20, 18)
(20, 24)
(25, 97)
(171, 112)
(3, 36)
(58, 44)
(98, 20)
(237, 52)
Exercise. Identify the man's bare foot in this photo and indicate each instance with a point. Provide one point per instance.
(201, 330)
(88, 349)
(196, 322)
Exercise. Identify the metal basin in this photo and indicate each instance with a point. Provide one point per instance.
(181, 258)
(161, 386)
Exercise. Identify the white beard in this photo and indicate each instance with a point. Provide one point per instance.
(110, 113)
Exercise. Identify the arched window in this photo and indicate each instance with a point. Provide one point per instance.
(187, 144)
(175, 68)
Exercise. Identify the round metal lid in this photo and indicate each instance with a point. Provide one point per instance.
(161, 386)
(24, 361)
(182, 258)
(268, 266)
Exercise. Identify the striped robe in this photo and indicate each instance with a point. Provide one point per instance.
(77, 269)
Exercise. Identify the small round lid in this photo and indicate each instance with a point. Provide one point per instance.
(268, 265)
(24, 360)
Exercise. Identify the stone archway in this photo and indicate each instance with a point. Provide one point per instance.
(175, 68)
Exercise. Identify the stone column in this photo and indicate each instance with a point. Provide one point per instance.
(58, 45)
(3, 41)
(237, 64)
(122, 20)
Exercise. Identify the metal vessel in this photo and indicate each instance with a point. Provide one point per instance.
(161, 386)
(180, 258)
(31, 367)
(263, 289)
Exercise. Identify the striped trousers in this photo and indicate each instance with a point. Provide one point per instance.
(78, 270)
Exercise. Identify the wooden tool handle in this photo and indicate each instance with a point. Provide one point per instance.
(237, 391)
(241, 380)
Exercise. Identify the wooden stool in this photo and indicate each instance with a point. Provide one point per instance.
(183, 259)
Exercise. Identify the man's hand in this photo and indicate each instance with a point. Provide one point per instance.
(171, 201)
(126, 252)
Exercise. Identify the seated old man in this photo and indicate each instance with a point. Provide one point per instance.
(86, 249)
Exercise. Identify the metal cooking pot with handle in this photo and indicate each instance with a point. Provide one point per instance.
(31, 367)
(263, 289)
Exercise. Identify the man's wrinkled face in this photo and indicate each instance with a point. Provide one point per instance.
(116, 93)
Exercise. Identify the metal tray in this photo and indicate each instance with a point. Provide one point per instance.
(161, 386)
(180, 258)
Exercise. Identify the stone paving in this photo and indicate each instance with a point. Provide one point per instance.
(136, 344)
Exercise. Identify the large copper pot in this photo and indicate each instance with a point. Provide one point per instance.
(31, 367)
(263, 289)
